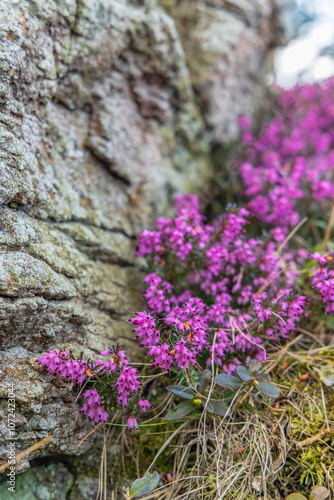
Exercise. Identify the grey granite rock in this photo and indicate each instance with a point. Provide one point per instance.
(51, 482)
(229, 48)
(99, 127)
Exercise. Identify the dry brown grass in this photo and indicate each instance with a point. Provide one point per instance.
(258, 451)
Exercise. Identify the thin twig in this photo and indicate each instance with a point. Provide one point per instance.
(27, 452)
(318, 437)
(314, 337)
(165, 445)
(240, 400)
(288, 238)
(91, 432)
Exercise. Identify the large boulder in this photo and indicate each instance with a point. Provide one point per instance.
(229, 46)
(99, 127)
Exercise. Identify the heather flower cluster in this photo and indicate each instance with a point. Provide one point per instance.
(288, 172)
(93, 407)
(214, 292)
(213, 281)
(115, 373)
(323, 279)
(61, 363)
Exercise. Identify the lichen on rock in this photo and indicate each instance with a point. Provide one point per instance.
(98, 117)
(99, 128)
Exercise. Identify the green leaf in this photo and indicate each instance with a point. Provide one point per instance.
(319, 493)
(209, 405)
(329, 320)
(255, 366)
(228, 381)
(320, 223)
(144, 485)
(243, 373)
(296, 496)
(219, 408)
(181, 410)
(182, 391)
(269, 390)
(203, 381)
(261, 377)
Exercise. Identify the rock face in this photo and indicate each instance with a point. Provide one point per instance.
(228, 45)
(99, 128)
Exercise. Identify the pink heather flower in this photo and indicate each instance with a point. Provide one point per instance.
(244, 122)
(279, 234)
(126, 383)
(132, 423)
(93, 407)
(97, 414)
(183, 355)
(162, 356)
(93, 397)
(102, 366)
(121, 354)
(230, 368)
(222, 346)
(118, 357)
(76, 369)
(143, 403)
(157, 293)
(323, 279)
(123, 397)
(149, 242)
(231, 269)
(261, 312)
(319, 257)
(186, 202)
(296, 308)
(146, 329)
(51, 359)
(80, 379)
(291, 160)
(61, 364)
(323, 189)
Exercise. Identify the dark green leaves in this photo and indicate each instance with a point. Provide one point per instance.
(182, 391)
(203, 381)
(196, 400)
(218, 408)
(246, 378)
(228, 382)
(329, 320)
(255, 366)
(269, 390)
(243, 373)
(261, 377)
(250, 377)
(208, 405)
(181, 410)
(144, 485)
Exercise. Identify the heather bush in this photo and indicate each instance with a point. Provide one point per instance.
(215, 294)
(322, 279)
(210, 282)
(288, 167)
(115, 382)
